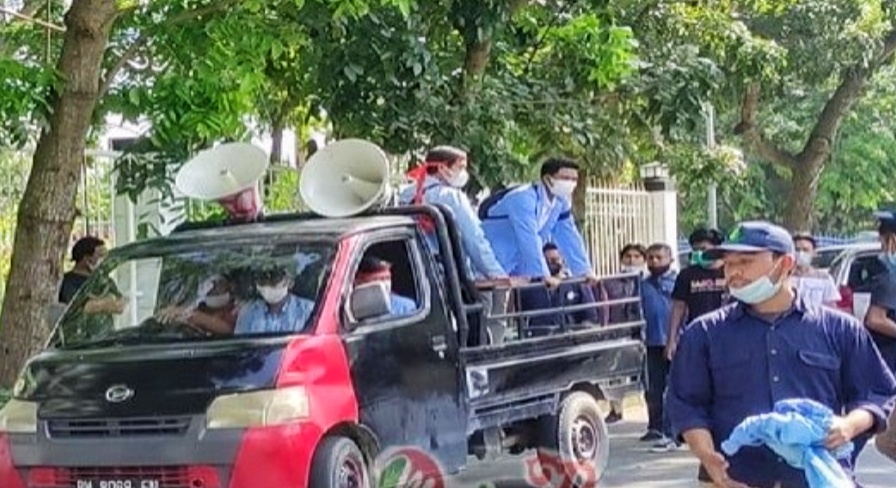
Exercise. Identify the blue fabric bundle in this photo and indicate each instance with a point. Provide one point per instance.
(796, 431)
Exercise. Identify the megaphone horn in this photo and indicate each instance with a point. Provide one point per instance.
(228, 174)
(345, 178)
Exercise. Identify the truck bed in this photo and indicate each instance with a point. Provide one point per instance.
(523, 379)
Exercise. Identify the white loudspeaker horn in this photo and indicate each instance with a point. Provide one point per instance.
(345, 178)
(229, 174)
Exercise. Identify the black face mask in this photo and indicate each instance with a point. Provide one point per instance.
(555, 268)
(659, 270)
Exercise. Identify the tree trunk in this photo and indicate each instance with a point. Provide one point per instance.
(277, 143)
(46, 213)
(798, 216)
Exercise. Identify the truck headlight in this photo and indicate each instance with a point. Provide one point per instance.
(18, 417)
(258, 408)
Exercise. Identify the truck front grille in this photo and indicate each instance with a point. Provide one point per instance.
(124, 427)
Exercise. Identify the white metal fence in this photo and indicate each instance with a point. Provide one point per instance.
(616, 216)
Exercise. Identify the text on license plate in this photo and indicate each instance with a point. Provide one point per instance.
(118, 484)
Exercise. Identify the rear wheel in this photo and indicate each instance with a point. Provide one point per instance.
(575, 443)
(339, 463)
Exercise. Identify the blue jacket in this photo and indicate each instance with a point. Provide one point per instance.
(525, 219)
(796, 431)
(477, 249)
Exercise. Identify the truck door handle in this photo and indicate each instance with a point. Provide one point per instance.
(439, 344)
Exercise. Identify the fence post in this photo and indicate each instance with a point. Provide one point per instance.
(664, 203)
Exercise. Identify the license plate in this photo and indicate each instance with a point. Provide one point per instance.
(118, 483)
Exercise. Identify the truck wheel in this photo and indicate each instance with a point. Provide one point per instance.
(575, 443)
(339, 463)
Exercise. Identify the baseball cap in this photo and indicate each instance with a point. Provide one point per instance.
(755, 236)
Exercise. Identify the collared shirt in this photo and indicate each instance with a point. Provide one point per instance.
(256, 317)
(478, 251)
(400, 306)
(656, 301)
(732, 364)
(523, 220)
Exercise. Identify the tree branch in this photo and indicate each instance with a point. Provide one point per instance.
(852, 86)
(751, 134)
(176, 19)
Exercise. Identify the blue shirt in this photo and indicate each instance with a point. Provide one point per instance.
(732, 364)
(656, 300)
(256, 316)
(477, 249)
(525, 219)
(399, 305)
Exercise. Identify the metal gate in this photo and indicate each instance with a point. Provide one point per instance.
(616, 216)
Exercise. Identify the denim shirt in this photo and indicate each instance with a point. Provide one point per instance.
(477, 249)
(400, 306)
(256, 316)
(656, 300)
(732, 364)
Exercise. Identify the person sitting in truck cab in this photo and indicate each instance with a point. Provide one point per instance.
(277, 310)
(375, 270)
(215, 310)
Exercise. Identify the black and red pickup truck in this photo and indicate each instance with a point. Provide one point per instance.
(138, 401)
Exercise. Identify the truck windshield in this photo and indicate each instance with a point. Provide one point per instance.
(189, 295)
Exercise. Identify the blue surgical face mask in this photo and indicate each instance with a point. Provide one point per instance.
(758, 291)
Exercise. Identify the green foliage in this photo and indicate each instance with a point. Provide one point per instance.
(5, 395)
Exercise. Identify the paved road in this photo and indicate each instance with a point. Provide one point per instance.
(632, 465)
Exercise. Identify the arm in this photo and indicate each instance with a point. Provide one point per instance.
(690, 385)
(472, 237)
(522, 216)
(212, 323)
(568, 238)
(868, 384)
(876, 319)
(883, 299)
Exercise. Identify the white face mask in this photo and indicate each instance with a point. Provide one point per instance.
(758, 291)
(273, 294)
(803, 259)
(562, 188)
(459, 179)
(217, 301)
(633, 268)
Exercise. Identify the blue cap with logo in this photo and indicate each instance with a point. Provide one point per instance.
(756, 236)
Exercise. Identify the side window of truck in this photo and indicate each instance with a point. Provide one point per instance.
(395, 265)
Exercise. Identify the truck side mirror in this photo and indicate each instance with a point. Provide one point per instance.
(368, 301)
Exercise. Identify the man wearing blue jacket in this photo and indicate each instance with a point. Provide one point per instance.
(526, 217)
(440, 181)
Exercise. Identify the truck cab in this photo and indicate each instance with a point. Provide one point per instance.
(157, 398)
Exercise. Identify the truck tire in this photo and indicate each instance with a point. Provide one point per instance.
(574, 448)
(339, 463)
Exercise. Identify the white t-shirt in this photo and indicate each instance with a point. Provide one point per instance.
(817, 288)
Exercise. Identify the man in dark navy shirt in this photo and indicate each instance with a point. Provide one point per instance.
(770, 346)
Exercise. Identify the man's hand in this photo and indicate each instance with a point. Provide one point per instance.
(671, 346)
(717, 467)
(552, 281)
(592, 278)
(845, 429)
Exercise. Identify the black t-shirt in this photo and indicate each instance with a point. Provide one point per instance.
(702, 289)
(71, 283)
(884, 296)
